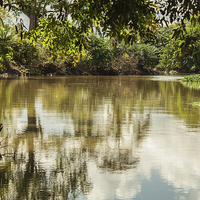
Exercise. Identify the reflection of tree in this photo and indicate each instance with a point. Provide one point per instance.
(69, 178)
(74, 181)
(178, 99)
(142, 128)
(120, 160)
(88, 113)
(29, 180)
(110, 118)
(4, 180)
(103, 118)
(122, 156)
(191, 85)
(30, 133)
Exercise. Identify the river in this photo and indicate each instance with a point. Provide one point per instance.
(99, 137)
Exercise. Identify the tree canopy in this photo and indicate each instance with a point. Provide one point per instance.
(69, 22)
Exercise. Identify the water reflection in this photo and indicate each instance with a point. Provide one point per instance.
(99, 138)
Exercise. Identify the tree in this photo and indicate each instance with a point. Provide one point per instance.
(182, 11)
(181, 54)
(124, 20)
(178, 10)
(33, 9)
(113, 16)
(6, 36)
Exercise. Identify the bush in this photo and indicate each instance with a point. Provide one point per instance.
(182, 54)
(125, 65)
(191, 78)
(24, 53)
(147, 55)
(100, 51)
(105, 58)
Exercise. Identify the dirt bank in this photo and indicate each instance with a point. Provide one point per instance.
(119, 66)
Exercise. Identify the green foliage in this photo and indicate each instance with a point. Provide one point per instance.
(117, 18)
(60, 37)
(125, 20)
(179, 11)
(147, 55)
(99, 51)
(196, 103)
(182, 54)
(191, 78)
(12, 49)
(114, 18)
(6, 16)
(6, 37)
(24, 53)
(33, 9)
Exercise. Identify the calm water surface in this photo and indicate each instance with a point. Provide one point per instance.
(99, 138)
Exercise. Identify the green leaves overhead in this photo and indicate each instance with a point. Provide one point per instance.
(182, 52)
(59, 36)
(178, 10)
(67, 26)
(182, 11)
(64, 24)
(115, 16)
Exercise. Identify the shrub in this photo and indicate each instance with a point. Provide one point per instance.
(99, 51)
(24, 53)
(182, 54)
(191, 78)
(147, 55)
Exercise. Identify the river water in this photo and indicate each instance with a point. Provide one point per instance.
(99, 138)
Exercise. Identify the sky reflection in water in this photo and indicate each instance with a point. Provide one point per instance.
(100, 138)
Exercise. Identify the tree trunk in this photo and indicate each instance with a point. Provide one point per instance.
(33, 15)
(33, 21)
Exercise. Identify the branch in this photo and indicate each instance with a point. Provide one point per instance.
(7, 154)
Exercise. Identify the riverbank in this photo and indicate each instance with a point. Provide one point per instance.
(119, 66)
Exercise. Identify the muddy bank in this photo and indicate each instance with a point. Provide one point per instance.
(119, 66)
(52, 70)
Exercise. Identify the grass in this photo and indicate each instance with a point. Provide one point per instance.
(191, 78)
(196, 103)
(192, 81)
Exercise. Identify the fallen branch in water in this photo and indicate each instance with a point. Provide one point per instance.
(7, 154)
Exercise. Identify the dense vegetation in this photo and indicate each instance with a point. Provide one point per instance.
(90, 43)
(192, 78)
(177, 54)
